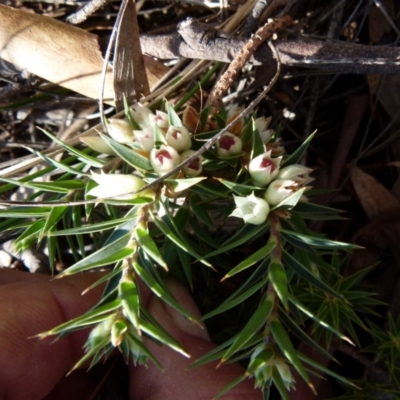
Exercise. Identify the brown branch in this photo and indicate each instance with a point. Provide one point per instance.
(199, 41)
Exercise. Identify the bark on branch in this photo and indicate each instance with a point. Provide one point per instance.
(198, 41)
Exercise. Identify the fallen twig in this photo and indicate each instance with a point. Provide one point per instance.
(200, 41)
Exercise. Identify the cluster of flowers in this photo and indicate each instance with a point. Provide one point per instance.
(166, 145)
(155, 138)
(280, 183)
(265, 170)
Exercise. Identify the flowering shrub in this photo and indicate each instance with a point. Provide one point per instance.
(141, 230)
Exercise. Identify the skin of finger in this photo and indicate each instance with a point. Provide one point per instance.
(176, 381)
(29, 367)
(10, 276)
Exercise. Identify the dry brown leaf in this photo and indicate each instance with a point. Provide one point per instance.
(130, 78)
(375, 199)
(63, 54)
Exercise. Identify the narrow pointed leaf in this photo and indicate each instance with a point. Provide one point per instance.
(248, 234)
(238, 188)
(134, 125)
(54, 216)
(144, 349)
(258, 146)
(308, 275)
(94, 162)
(290, 201)
(318, 242)
(200, 210)
(130, 156)
(285, 344)
(111, 253)
(278, 278)
(82, 320)
(236, 301)
(251, 260)
(280, 385)
(173, 117)
(157, 289)
(92, 228)
(129, 296)
(148, 245)
(295, 157)
(168, 232)
(52, 187)
(326, 371)
(255, 323)
(159, 138)
(157, 332)
(180, 185)
(231, 385)
(24, 212)
(90, 354)
(294, 327)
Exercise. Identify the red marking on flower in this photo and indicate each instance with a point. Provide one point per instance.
(226, 142)
(195, 164)
(174, 134)
(163, 154)
(266, 162)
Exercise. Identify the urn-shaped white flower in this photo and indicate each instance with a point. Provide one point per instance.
(252, 209)
(164, 159)
(229, 145)
(194, 168)
(280, 190)
(263, 169)
(296, 172)
(262, 124)
(161, 120)
(97, 144)
(178, 137)
(120, 130)
(145, 138)
(119, 187)
(141, 114)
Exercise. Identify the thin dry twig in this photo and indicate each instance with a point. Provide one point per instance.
(85, 12)
(227, 79)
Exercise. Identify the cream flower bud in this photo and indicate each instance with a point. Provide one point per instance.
(263, 169)
(284, 371)
(120, 130)
(297, 173)
(145, 138)
(118, 187)
(97, 144)
(229, 145)
(262, 124)
(164, 159)
(161, 120)
(194, 168)
(178, 138)
(252, 209)
(141, 114)
(101, 331)
(279, 190)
